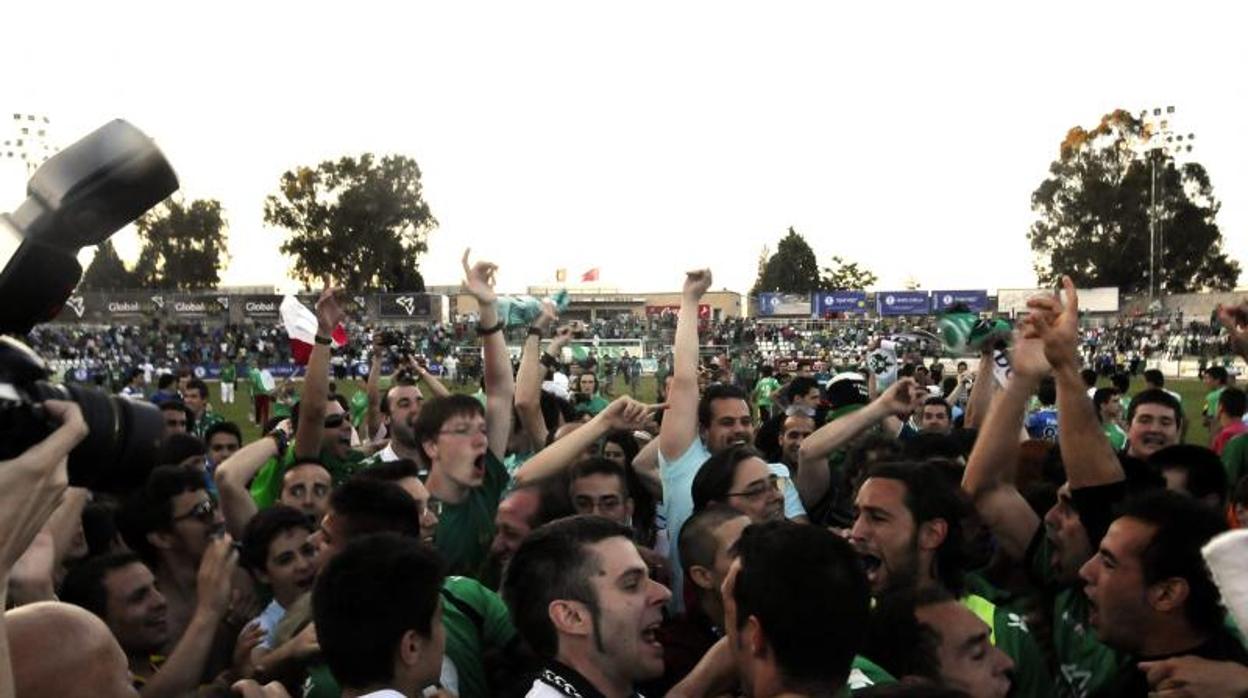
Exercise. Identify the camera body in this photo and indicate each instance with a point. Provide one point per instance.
(79, 197)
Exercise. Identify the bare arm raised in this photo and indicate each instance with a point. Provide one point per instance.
(680, 424)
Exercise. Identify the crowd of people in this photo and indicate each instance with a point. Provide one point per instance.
(950, 531)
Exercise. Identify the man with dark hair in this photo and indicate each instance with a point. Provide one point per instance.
(523, 510)
(1194, 471)
(600, 486)
(1155, 379)
(909, 535)
(278, 551)
(581, 596)
(705, 543)
(1042, 422)
(1229, 419)
(378, 616)
(122, 591)
(177, 417)
(406, 474)
(223, 439)
(1150, 593)
(794, 431)
(171, 522)
(464, 443)
(196, 400)
(740, 478)
(1089, 379)
(1056, 547)
(478, 629)
(795, 604)
(695, 428)
(802, 397)
(1109, 412)
(936, 417)
(929, 635)
(1215, 379)
(1154, 421)
(362, 506)
(166, 388)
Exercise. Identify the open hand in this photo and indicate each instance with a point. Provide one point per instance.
(329, 312)
(479, 280)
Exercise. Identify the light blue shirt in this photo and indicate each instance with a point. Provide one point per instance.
(677, 477)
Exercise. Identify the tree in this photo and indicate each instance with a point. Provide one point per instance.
(107, 272)
(183, 245)
(361, 221)
(1093, 215)
(792, 269)
(844, 276)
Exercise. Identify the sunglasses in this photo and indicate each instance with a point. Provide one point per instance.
(334, 421)
(205, 512)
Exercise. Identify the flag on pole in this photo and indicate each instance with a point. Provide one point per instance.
(591, 275)
(301, 326)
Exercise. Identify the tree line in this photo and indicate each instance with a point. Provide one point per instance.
(364, 222)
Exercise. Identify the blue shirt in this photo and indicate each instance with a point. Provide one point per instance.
(1042, 424)
(677, 478)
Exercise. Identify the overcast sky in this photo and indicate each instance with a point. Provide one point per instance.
(646, 138)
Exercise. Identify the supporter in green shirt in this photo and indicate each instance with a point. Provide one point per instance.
(1215, 380)
(465, 442)
(586, 397)
(762, 392)
(1109, 411)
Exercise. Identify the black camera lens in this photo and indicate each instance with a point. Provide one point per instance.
(122, 440)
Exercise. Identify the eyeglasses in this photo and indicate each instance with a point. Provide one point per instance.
(205, 512)
(334, 421)
(432, 506)
(773, 484)
(467, 430)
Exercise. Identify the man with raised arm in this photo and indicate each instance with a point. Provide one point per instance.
(1096, 485)
(694, 429)
(464, 444)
